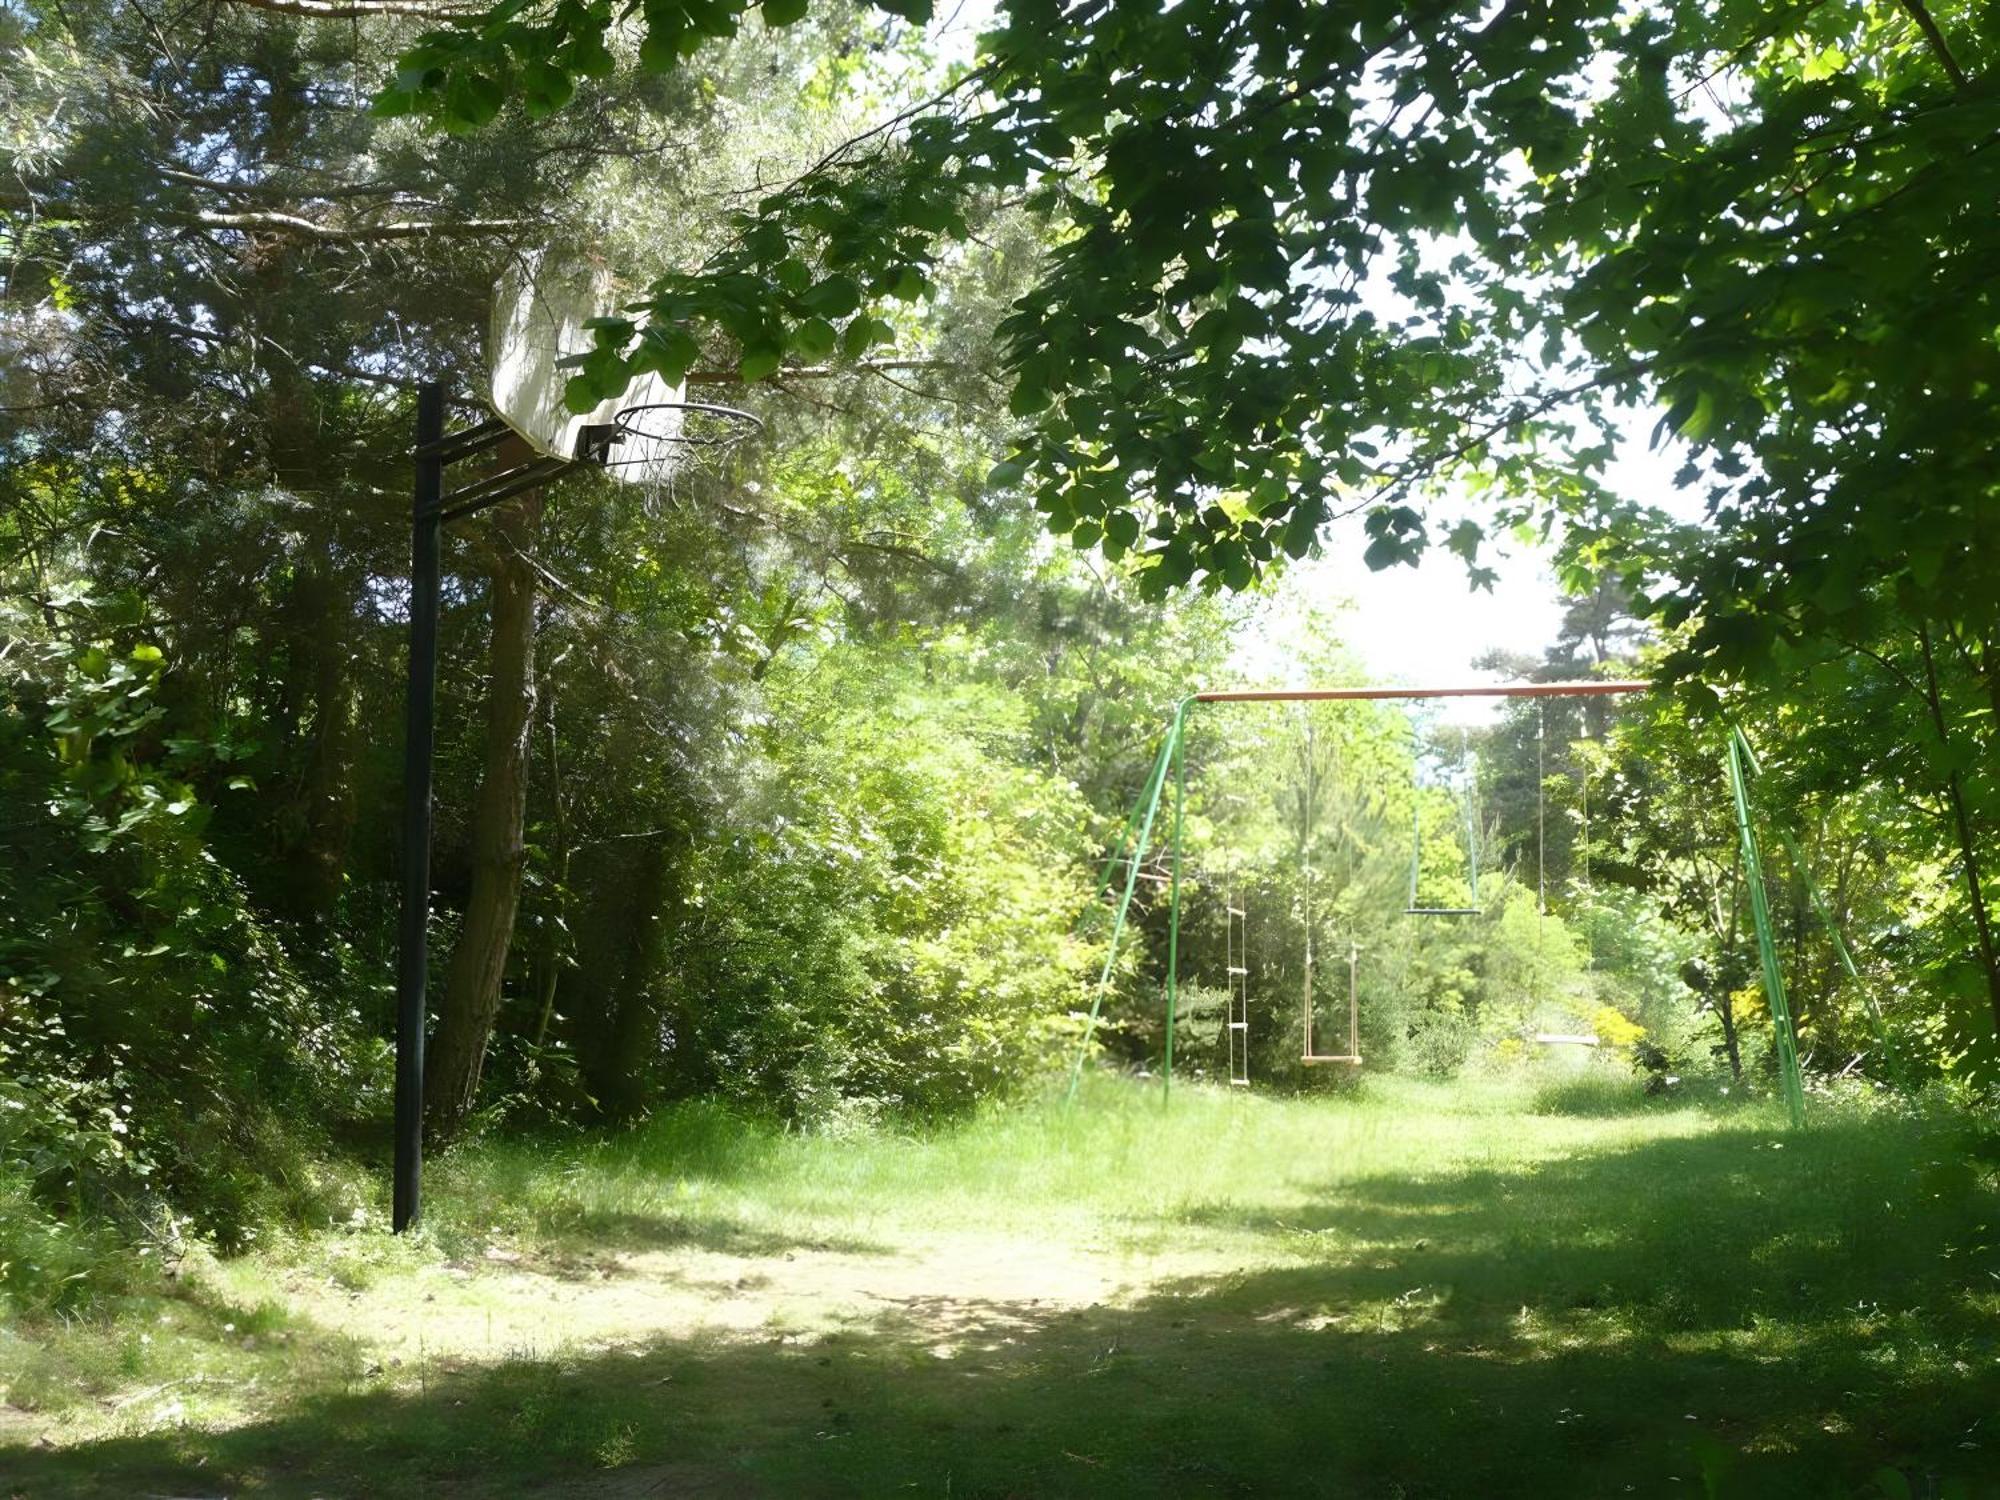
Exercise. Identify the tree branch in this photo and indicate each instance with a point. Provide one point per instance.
(1928, 25)
(279, 223)
(349, 10)
(278, 190)
(818, 372)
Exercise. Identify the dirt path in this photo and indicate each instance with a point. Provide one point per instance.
(959, 1288)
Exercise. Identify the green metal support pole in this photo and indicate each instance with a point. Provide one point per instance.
(1819, 902)
(1767, 950)
(1155, 784)
(1174, 905)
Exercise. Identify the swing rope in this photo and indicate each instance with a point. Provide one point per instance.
(1236, 955)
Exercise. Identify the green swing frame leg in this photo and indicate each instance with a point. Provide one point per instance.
(1819, 902)
(1144, 811)
(1789, 1079)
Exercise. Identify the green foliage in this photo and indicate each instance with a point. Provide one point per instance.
(1215, 206)
(895, 933)
(152, 1032)
(1296, 270)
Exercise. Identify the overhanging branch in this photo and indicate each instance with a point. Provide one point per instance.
(271, 222)
(349, 10)
(1934, 34)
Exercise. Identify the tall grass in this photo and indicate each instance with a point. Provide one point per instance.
(1527, 1284)
(1124, 1153)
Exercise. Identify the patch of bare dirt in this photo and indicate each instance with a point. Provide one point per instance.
(959, 1288)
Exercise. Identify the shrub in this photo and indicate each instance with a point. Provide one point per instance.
(153, 1034)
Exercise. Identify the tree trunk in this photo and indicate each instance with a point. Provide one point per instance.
(615, 985)
(471, 998)
(312, 827)
(329, 793)
(1968, 845)
(1728, 974)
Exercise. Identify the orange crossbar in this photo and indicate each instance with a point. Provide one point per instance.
(1482, 690)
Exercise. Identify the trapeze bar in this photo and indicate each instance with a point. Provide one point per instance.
(1477, 690)
(1444, 911)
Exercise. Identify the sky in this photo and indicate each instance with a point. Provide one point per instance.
(1425, 626)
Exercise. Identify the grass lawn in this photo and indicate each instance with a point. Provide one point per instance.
(1471, 1289)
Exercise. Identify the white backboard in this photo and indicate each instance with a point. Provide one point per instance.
(540, 305)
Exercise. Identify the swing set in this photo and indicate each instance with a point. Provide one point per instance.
(1136, 839)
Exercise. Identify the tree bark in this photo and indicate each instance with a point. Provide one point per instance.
(1726, 1008)
(472, 990)
(615, 994)
(1968, 845)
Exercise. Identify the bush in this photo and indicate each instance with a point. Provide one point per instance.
(154, 1037)
(1439, 1043)
(881, 932)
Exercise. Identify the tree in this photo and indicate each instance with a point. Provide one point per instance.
(1302, 270)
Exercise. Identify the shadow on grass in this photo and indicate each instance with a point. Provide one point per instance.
(574, 1245)
(1734, 1314)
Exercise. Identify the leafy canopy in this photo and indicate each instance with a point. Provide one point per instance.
(1302, 269)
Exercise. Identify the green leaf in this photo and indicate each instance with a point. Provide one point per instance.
(793, 275)
(659, 51)
(610, 332)
(814, 339)
(759, 362)
(835, 297)
(667, 351)
(784, 12)
(471, 99)
(545, 89)
(580, 394)
(586, 55)
(860, 334)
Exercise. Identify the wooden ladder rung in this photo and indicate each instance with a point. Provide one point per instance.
(1237, 911)
(1234, 970)
(1239, 1025)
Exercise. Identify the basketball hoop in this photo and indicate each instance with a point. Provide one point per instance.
(651, 435)
(545, 308)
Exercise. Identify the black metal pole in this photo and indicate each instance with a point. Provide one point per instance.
(426, 535)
